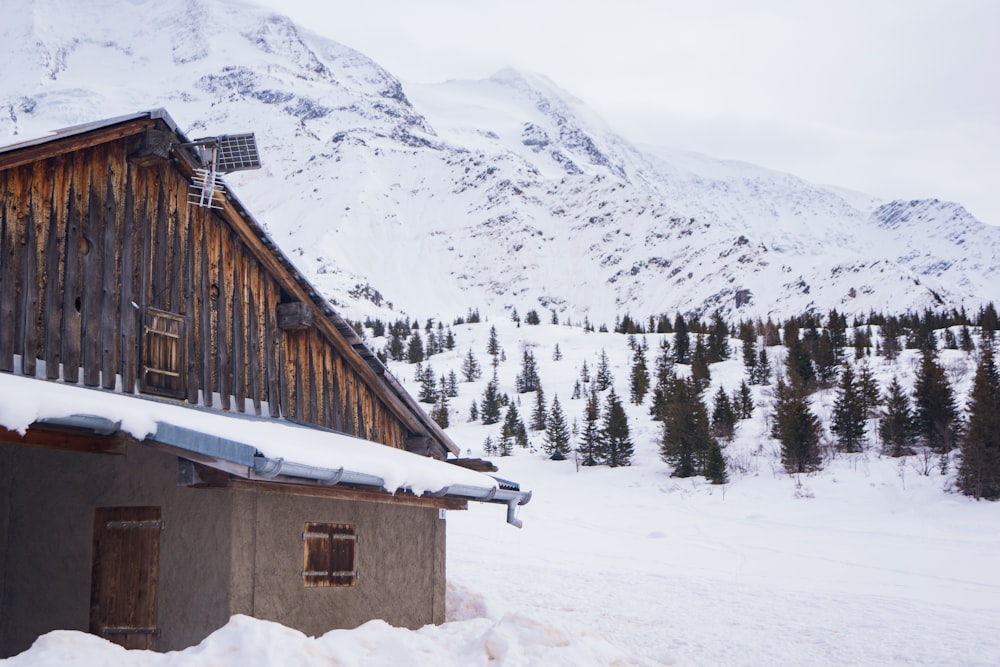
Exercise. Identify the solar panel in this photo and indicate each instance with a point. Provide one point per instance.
(236, 152)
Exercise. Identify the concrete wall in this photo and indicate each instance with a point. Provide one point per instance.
(222, 551)
(400, 558)
(48, 498)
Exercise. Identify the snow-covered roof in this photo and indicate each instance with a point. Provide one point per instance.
(266, 447)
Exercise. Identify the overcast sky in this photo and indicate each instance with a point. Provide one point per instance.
(900, 99)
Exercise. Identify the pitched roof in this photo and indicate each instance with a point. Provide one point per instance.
(353, 348)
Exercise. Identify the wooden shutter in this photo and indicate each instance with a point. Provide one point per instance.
(124, 580)
(329, 554)
(163, 354)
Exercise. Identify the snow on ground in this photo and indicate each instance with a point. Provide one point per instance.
(868, 562)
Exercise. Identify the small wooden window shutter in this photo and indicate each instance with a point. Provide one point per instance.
(125, 575)
(163, 354)
(329, 555)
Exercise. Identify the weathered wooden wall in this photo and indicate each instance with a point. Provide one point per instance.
(89, 240)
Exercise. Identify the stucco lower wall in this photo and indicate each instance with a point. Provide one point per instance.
(47, 501)
(223, 551)
(400, 558)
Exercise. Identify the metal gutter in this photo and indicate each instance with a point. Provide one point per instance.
(262, 467)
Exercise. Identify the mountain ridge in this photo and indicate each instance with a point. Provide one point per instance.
(496, 194)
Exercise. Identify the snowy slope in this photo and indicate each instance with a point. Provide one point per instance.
(491, 194)
(867, 562)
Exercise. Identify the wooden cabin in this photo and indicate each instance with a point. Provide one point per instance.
(118, 284)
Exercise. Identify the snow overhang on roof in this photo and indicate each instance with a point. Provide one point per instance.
(250, 447)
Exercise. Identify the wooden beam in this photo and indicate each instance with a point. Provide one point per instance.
(352, 494)
(67, 440)
(57, 144)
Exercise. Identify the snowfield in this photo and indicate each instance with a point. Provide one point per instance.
(867, 562)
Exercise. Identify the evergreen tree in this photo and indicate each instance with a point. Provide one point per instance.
(718, 339)
(639, 384)
(795, 427)
(979, 470)
(539, 415)
(799, 364)
(440, 412)
(715, 464)
(513, 427)
(489, 448)
(415, 350)
(685, 436)
(576, 390)
(896, 427)
(428, 386)
(870, 393)
(489, 406)
(934, 403)
(474, 412)
(527, 380)
(699, 365)
(590, 437)
(603, 379)
(395, 349)
(748, 342)
(664, 377)
(723, 416)
(848, 421)
(532, 318)
(557, 353)
(470, 367)
(557, 437)
(584, 373)
(965, 342)
(743, 401)
(763, 369)
(682, 341)
(826, 360)
(493, 344)
(451, 386)
(616, 444)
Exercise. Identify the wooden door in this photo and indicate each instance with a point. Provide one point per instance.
(125, 575)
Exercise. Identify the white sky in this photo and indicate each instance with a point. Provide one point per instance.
(896, 99)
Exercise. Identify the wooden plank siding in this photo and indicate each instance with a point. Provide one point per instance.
(89, 241)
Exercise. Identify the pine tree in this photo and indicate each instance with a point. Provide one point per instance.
(474, 412)
(723, 416)
(489, 406)
(743, 402)
(826, 360)
(682, 341)
(935, 408)
(527, 380)
(685, 436)
(639, 384)
(699, 365)
(763, 374)
(584, 373)
(795, 427)
(489, 448)
(871, 396)
(557, 353)
(603, 379)
(470, 367)
(576, 391)
(665, 375)
(590, 438)
(615, 441)
(896, 427)
(428, 386)
(540, 413)
(415, 349)
(493, 345)
(451, 387)
(557, 436)
(395, 350)
(440, 412)
(848, 420)
(718, 339)
(715, 464)
(979, 470)
(513, 427)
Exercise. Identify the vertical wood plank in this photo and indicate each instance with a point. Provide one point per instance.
(30, 286)
(272, 350)
(128, 326)
(238, 332)
(7, 268)
(92, 266)
(72, 323)
(224, 335)
(193, 305)
(111, 276)
(52, 307)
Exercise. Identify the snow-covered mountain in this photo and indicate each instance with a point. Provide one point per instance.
(506, 192)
